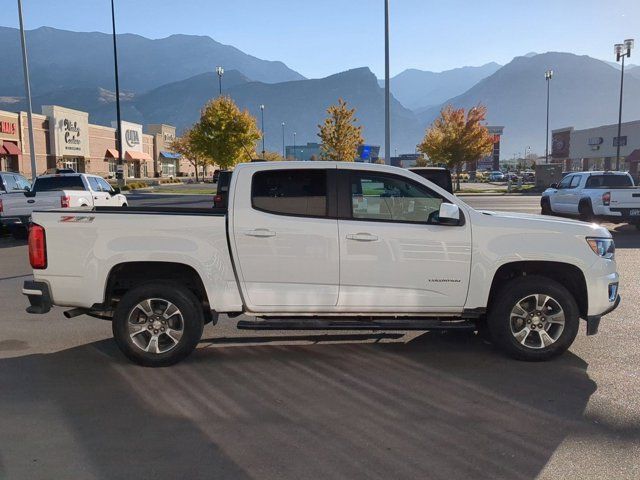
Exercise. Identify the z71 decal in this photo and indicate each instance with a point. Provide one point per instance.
(76, 219)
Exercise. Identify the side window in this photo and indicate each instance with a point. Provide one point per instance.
(104, 184)
(290, 192)
(93, 183)
(22, 183)
(575, 181)
(565, 182)
(386, 197)
(10, 183)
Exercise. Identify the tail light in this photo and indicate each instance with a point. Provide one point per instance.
(606, 199)
(65, 200)
(37, 247)
(1, 207)
(217, 199)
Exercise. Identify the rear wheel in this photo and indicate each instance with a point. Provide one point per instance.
(534, 318)
(158, 324)
(585, 210)
(545, 207)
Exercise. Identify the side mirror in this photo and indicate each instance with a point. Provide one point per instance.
(115, 190)
(449, 214)
(553, 185)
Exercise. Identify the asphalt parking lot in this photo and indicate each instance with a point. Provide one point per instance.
(385, 406)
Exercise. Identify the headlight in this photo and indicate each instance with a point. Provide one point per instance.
(603, 247)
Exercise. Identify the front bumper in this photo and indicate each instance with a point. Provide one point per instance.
(593, 321)
(39, 296)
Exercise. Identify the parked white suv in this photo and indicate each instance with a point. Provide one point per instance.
(609, 196)
(324, 245)
(67, 190)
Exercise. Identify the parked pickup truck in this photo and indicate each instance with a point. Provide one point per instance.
(59, 191)
(324, 245)
(610, 196)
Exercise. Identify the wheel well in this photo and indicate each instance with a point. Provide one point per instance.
(570, 276)
(125, 276)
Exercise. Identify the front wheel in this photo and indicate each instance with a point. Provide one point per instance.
(545, 207)
(534, 318)
(158, 323)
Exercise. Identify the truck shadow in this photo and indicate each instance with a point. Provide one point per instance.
(443, 405)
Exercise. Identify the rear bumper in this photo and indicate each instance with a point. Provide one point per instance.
(39, 296)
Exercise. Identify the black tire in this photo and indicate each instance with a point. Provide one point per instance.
(585, 210)
(545, 207)
(127, 315)
(500, 320)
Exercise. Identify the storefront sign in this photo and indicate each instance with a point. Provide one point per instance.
(595, 141)
(131, 139)
(68, 130)
(9, 127)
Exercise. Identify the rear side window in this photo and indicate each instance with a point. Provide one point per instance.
(52, 184)
(290, 192)
(93, 183)
(608, 181)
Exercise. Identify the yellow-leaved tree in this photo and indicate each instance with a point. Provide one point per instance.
(224, 133)
(184, 146)
(339, 133)
(457, 137)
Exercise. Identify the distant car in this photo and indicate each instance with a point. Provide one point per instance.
(221, 197)
(496, 177)
(511, 176)
(529, 176)
(438, 175)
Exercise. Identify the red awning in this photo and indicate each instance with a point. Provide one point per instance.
(111, 152)
(11, 148)
(133, 155)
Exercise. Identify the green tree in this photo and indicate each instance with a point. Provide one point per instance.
(339, 134)
(224, 133)
(270, 156)
(457, 137)
(421, 162)
(184, 146)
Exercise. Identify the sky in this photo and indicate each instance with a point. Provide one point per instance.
(323, 37)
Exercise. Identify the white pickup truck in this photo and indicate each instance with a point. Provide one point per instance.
(67, 190)
(324, 245)
(608, 196)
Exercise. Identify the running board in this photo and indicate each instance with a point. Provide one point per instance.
(332, 324)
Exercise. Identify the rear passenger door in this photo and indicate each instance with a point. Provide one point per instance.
(286, 238)
(100, 197)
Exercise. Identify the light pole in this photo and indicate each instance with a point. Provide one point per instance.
(220, 72)
(548, 75)
(621, 50)
(262, 122)
(27, 89)
(295, 153)
(120, 169)
(283, 152)
(387, 125)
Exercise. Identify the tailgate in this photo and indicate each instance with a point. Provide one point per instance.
(625, 198)
(17, 205)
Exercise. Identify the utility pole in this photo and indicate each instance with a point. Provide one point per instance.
(220, 72)
(27, 88)
(120, 168)
(387, 117)
(548, 75)
(283, 149)
(262, 115)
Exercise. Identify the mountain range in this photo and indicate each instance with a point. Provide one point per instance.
(168, 81)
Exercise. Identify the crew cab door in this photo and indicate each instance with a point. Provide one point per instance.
(286, 237)
(394, 256)
(100, 196)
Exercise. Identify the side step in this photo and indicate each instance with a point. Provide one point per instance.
(333, 324)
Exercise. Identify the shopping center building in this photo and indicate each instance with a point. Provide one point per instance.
(64, 138)
(596, 148)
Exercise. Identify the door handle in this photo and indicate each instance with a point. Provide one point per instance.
(31, 201)
(362, 237)
(261, 232)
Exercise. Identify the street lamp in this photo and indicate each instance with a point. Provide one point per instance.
(548, 75)
(621, 50)
(295, 153)
(120, 169)
(262, 122)
(387, 112)
(283, 152)
(220, 72)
